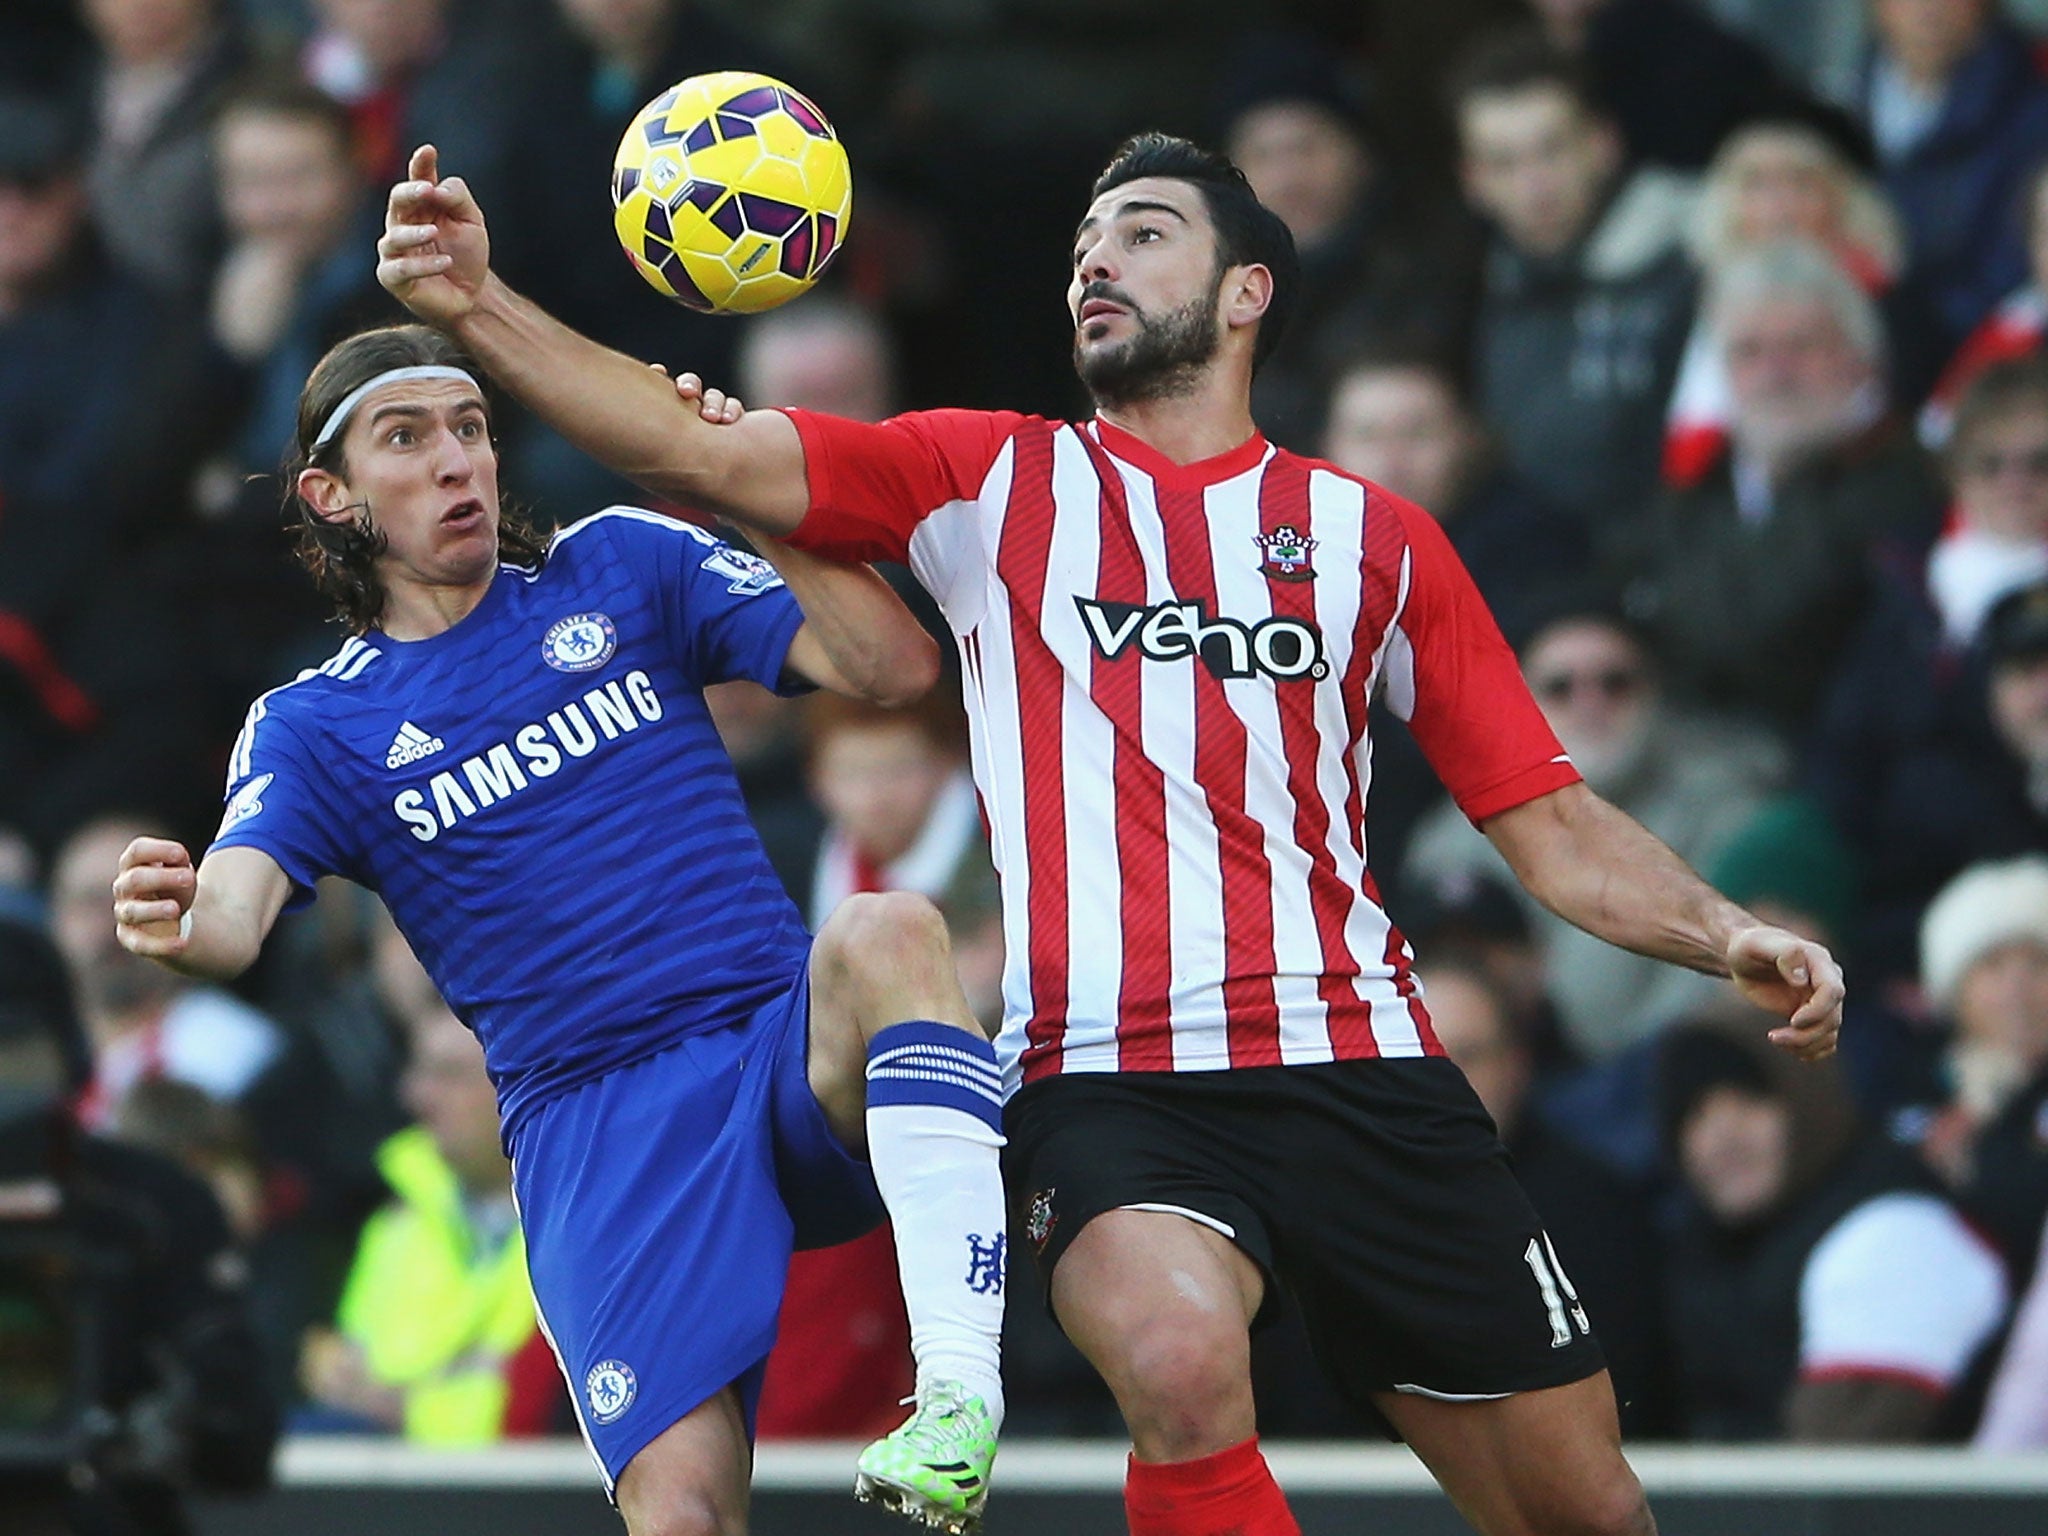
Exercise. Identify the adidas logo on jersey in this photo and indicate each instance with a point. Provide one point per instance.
(410, 745)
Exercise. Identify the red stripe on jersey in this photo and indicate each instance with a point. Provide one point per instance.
(1144, 1031)
(1382, 549)
(1284, 502)
(1021, 561)
(1221, 753)
(1404, 979)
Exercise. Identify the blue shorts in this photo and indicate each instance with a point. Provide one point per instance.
(661, 1202)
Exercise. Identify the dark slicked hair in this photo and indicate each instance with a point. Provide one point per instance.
(341, 557)
(1248, 233)
(1517, 60)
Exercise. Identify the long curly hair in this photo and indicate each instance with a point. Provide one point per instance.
(341, 557)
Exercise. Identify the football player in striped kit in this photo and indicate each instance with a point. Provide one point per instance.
(1221, 1072)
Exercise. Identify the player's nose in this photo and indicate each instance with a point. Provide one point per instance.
(452, 463)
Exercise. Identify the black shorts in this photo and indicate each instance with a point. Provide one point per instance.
(1376, 1192)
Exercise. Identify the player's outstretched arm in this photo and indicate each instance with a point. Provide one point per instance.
(208, 922)
(435, 258)
(1598, 868)
(857, 637)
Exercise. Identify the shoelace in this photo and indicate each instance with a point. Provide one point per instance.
(924, 1431)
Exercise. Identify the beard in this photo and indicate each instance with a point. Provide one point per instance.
(1166, 357)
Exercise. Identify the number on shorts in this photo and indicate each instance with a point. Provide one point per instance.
(1560, 1297)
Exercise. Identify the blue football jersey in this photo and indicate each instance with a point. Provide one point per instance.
(541, 799)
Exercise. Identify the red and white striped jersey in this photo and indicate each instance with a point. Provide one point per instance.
(1166, 669)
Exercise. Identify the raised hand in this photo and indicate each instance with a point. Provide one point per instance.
(152, 893)
(1794, 978)
(435, 254)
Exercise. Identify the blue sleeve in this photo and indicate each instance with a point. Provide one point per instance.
(727, 613)
(281, 801)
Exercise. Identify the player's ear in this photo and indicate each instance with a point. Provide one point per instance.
(326, 493)
(1246, 295)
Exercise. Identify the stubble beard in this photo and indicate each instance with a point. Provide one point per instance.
(1164, 360)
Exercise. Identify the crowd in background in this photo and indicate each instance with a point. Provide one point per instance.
(1711, 330)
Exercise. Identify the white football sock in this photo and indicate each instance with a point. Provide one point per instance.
(934, 1123)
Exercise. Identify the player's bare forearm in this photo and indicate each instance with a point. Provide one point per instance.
(209, 923)
(857, 638)
(1599, 869)
(435, 258)
(627, 416)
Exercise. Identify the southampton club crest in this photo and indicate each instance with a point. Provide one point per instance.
(579, 643)
(1284, 554)
(610, 1389)
(1039, 1220)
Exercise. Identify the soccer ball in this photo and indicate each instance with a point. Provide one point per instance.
(731, 192)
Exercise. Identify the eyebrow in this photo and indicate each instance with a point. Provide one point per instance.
(468, 403)
(1137, 205)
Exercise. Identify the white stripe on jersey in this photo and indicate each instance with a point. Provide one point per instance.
(1095, 939)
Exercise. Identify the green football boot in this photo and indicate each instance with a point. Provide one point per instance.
(935, 1467)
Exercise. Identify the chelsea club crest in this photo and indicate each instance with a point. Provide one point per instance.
(610, 1388)
(580, 642)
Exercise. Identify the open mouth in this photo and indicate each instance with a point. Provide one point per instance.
(463, 515)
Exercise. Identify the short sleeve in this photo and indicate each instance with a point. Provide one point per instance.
(281, 800)
(726, 612)
(1453, 678)
(872, 484)
(1899, 1287)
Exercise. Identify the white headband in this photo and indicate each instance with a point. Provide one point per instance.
(338, 417)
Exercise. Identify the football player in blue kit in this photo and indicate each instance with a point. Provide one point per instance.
(512, 748)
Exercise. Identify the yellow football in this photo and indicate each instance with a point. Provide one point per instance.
(731, 193)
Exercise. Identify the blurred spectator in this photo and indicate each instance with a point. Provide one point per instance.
(299, 274)
(1399, 420)
(450, 73)
(143, 1020)
(1586, 289)
(436, 1337)
(1780, 179)
(88, 358)
(1818, 43)
(1996, 540)
(2016, 1411)
(163, 65)
(1984, 958)
(1791, 1309)
(1752, 581)
(1675, 81)
(1377, 258)
(1933, 760)
(1693, 782)
(130, 1364)
(2013, 330)
(899, 803)
(548, 228)
(824, 355)
(1599, 1227)
(299, 270)
(1959, 113)
(901, 815)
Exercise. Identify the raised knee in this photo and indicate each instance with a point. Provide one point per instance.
(690, 1514)
(1185, 1384)
(882, 934)
(1609, 1506)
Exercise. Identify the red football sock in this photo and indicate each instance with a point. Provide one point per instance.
(1228, 1494)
